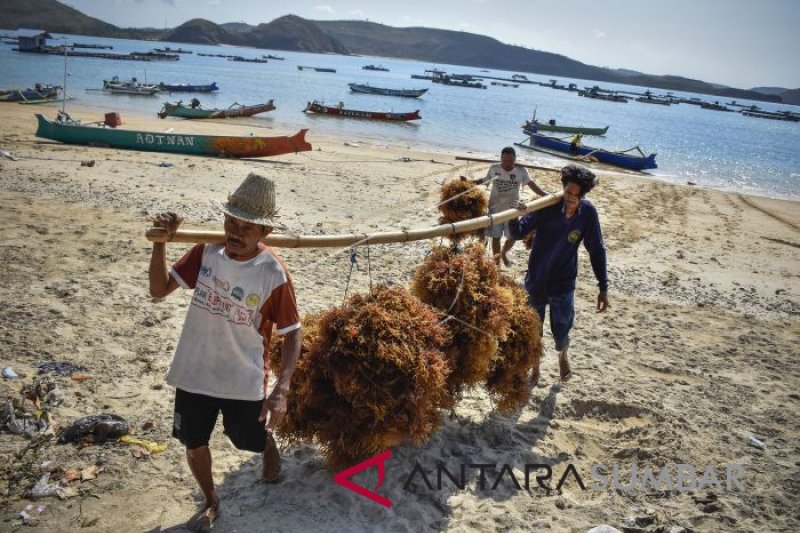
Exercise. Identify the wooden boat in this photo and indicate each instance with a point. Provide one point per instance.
(619, 159)
(130, 87)
(188, 88)
(608, 97)
(241, 59)
(780, 115)
(340, 111)
(317, 69)
(502, 84)
(716, 106)
(270, 56)
(168, 50)
(40, 91)
(236, 110)
(156, 56)
(449, 80)
(69, 131)
(653, 100)
(377, 68)
(368, 89)
(533, 126)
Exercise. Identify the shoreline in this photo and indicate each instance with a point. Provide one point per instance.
(196, 126)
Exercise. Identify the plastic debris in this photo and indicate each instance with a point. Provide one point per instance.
(97, 427)
(165, 164)
(9, 373)
(755, 443)
(8, 155)
(60, 367)
(150, 446)
(44, 489)
(89, 163)
(31, 513)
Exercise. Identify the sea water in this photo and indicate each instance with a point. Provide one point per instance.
(723, 150)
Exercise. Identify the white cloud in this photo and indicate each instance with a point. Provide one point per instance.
(358, 13)
(214, 2)
(465, 25)
(324, 9)
(599, 34)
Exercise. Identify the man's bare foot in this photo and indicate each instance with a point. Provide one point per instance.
(506, 260)
(271, 461)
(563, 365)
(203, 521)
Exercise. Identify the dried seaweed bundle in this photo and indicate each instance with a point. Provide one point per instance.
(463, 286)
(462, 200)
(373, 377)
(518, 354)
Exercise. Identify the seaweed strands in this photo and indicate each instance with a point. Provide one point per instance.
(518, 354)
(461, 199)
(371, 376)
(462, 285)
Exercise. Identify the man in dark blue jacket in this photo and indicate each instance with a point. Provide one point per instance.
(553, 263)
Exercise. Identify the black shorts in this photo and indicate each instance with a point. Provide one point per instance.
(196, 415)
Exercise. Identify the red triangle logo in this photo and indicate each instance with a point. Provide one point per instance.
(343, 478)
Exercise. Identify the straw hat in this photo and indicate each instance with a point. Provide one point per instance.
(253, 201)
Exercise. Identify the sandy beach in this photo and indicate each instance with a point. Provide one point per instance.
(696, 357)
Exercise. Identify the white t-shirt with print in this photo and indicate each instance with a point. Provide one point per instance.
(505, 186)
(223, 350)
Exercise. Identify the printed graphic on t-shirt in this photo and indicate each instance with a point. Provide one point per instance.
(505, 185)
(208, 298)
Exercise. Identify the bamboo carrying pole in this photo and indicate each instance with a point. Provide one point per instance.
(360, 239)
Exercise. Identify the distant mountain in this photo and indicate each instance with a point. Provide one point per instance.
(201, 31)
(52, 16)
(791, 97)
(284, 33)
(236, 27)
(366, 38)
(770, 90)
(291, 32)
(628, 72)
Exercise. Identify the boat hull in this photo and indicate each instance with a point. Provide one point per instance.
(604, 156)
(529, 128)
(407, 93)
(314, 107)
(184, 88)
(207, 145)
(182, 111)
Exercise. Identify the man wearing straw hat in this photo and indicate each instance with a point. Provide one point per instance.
(241, 289)
(553, 263)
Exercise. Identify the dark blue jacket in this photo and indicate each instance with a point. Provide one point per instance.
(553, 264)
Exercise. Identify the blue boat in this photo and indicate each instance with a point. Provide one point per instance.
(187, 88)
(618, 159)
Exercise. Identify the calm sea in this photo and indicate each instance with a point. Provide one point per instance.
(722, 150)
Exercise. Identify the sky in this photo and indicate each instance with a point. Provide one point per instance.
(741, 43)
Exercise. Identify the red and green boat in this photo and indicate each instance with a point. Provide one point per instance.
(66, 130)
(340, 111)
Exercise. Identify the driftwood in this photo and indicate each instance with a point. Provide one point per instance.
(360, 239)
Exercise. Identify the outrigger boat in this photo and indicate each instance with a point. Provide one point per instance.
(533, 126)
(40, 92)
(179, 109)
(368, 89)
(340, 111)
(66, 130)
(619, 159)
(129, 87)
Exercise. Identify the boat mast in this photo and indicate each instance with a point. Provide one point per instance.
(64, 89)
